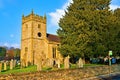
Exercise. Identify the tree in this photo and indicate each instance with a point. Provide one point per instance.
(2, 51)
(10, 54)
(16, 52)
(117, 32)
(83, 27)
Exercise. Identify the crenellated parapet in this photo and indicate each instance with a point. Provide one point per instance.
(33, 17)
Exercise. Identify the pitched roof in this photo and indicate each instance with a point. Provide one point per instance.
(52, 37)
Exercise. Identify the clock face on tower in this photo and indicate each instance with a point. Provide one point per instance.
(39, 34)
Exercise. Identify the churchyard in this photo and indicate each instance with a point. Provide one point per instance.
(12, 66)
(63, 72)
(13, 70)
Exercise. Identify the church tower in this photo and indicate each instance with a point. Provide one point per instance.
(33, 38)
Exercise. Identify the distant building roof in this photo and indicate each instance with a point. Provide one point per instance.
(52, 37)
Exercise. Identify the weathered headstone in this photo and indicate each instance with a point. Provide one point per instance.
(58, 63)
(14, 63)
(83, 61)
(22, 63)
(11, 64)
(26, 64)
(66, 62)
(5, 65)
(49, 62)
(80, 63)
(39, 66)
(0, 66)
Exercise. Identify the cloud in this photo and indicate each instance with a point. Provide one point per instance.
(55, 16)
(113, 7)
(114, 4)
(15, 45)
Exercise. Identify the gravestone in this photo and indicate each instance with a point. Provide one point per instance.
(26, 64)
(49, 62)
(39, 63)
(0, 66)
(58, 63)
(11, 64)
(5, 65)
(80, 63)
(14, 63)
(66, 62)
(22, 63)
(39, 66)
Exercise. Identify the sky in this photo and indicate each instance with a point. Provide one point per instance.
(11, 12)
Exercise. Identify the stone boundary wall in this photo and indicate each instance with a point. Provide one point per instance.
(64, 74)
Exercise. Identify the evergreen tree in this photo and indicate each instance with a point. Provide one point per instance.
(117, 32)
(83, 27)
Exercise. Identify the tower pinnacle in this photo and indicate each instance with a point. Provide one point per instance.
(32, 12)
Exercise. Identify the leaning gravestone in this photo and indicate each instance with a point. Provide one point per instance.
(66, 62)
(0, 66)
(11, 64)
(5, 65)
(80, 63)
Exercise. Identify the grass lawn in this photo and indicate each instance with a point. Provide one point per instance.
(19, 70)
(34, 68)
(87, 65)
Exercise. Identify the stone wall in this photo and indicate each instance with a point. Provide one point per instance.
(64, 74)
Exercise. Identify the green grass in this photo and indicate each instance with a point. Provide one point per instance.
(19, 70)
(47, 69)
(87, 65)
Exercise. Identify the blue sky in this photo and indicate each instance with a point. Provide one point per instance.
(11, 12)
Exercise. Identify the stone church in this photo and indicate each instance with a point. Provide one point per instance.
(37, 44)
